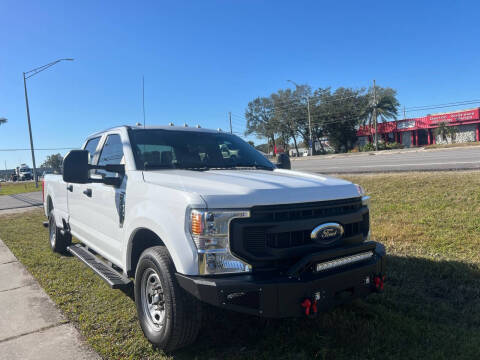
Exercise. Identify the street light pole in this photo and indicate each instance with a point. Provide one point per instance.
(310, 152)
(30, 132)
(26, 75)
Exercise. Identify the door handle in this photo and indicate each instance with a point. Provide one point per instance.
(70, 188)
(88, 192)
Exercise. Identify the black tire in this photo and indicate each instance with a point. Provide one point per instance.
(58, 241)
(175, 320)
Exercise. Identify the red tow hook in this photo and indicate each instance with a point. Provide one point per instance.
(378, 282)
(310, 307)
(307, 304)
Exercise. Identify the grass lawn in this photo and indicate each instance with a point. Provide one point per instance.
(9, 188)
(454, 145)
(430, 223)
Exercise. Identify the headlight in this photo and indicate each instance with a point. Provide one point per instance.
(361, 192)
(210, 232)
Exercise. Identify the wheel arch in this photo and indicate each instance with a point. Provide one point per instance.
(141, 239)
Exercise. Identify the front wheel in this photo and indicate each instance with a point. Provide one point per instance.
(58, 241)
(169, 316)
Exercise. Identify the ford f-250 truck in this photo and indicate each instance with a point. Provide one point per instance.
(168, 207)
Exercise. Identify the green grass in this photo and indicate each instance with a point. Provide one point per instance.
(430, 223)
(454, 145)
(9, 188)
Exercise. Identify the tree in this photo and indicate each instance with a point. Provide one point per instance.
(442, 130)
(337, 116)
(386, 106)
(53, 162)
(452, 131)
(261, 119)
(3, 120)
(288, 114)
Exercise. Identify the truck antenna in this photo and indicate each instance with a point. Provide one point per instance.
(143, 99)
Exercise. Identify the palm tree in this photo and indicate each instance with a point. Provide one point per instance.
(442, 130)
(2, 120)
(386, 106)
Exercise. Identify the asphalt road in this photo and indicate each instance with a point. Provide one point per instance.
(421, 160)
(18, 201)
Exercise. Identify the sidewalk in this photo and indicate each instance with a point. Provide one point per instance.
(31, 326)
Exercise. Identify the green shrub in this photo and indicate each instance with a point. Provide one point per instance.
(394, 145)
(367, 147)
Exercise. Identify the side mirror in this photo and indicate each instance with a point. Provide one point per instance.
(76, 167)
(283, 161)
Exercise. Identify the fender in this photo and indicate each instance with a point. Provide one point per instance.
(172, 233)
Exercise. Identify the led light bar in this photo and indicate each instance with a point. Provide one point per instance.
(343, 261)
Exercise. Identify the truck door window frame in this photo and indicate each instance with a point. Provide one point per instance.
(103, 173)
(92, 155)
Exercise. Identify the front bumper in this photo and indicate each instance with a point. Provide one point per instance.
(282, 295)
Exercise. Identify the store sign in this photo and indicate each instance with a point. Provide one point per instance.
(406, 124)
(454, 117)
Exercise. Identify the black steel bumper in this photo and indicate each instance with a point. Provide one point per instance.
(281, 296)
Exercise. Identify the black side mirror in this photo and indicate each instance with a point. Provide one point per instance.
(283, 161)
(76, 167)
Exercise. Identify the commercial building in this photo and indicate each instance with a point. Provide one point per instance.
(421, 131)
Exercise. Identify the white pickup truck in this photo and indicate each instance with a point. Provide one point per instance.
(190, 223)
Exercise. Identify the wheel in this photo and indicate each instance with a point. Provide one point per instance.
(58, 241)
(169, 316)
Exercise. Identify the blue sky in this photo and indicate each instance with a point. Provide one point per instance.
(202, 59)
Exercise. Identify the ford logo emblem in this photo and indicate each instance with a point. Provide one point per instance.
(327, 234)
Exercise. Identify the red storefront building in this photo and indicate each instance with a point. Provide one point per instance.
(421, 131)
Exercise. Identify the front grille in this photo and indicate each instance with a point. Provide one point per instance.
(282, 232)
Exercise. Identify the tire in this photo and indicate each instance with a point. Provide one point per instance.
(169, 316)
(58, 241)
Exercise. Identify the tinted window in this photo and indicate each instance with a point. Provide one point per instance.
(91, 146)
(193, 150)
(112, 153)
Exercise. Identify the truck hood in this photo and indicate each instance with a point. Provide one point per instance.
(246, 188)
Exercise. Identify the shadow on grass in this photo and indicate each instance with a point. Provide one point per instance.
(429, 309)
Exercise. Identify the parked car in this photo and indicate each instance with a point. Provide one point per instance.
(167, 208)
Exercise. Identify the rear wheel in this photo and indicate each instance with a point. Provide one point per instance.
(169, 316)
(58, 241)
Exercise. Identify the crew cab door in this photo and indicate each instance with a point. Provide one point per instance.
(108, 201)
(79, 205)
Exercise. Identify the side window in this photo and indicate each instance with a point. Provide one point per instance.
(112, 153)
(91, 146)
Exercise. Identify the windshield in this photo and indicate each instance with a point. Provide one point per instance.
(173, 149)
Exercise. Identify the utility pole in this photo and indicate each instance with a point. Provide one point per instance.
(404, 116)
(309, 126)
(375, 113)
(30, 132)
(27, 75)
(230, 119)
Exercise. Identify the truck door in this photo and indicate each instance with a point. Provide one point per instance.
(108, 201)
(80, 216)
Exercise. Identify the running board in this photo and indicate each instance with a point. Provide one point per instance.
(113, 278)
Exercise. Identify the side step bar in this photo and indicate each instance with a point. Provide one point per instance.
(112, 277)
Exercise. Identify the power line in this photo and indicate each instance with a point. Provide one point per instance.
(45, 149)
